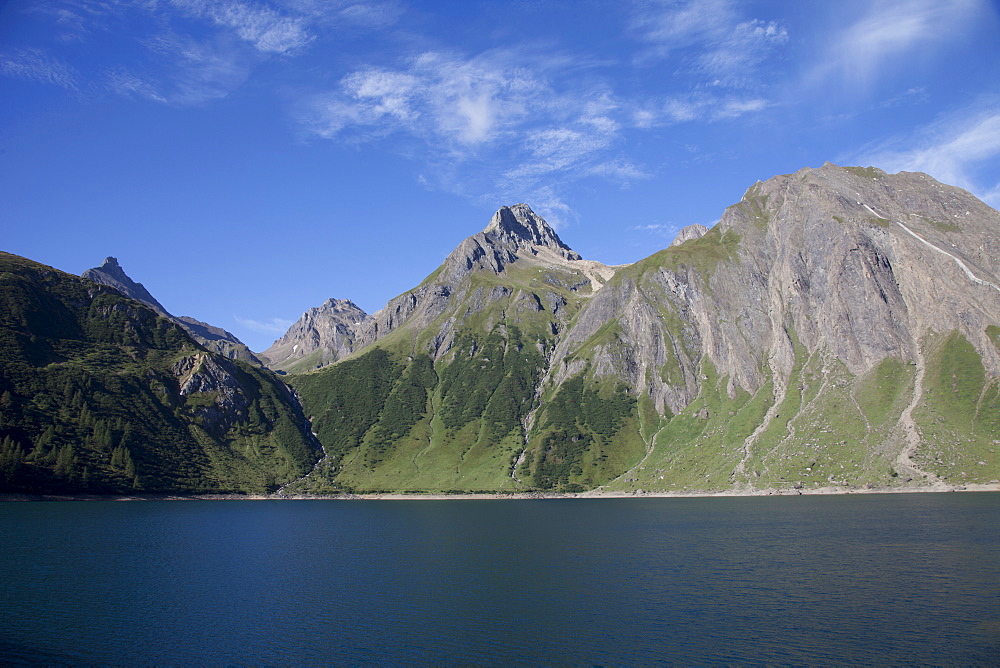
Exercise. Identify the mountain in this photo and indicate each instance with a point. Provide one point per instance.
(322, 335)
(216, 339)
(100, 393)
(443, 378)
(110, 273)
(836, 327)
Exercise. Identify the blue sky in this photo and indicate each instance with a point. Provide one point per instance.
(247, 160)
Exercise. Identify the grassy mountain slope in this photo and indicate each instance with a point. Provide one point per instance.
(839, 326)
(100, 394)
(458, 383)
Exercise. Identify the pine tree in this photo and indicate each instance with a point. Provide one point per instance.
(102, 436)
(11, 458)
(66, 461)
(129, 465)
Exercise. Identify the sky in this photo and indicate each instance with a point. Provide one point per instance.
(246, 160)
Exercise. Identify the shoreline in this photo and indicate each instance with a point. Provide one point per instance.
(501, 496)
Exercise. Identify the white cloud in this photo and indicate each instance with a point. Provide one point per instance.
(36, 65)
(953, 151)
(466, 103)
(266, 29)
(733, 108)
(621, 170)
(734, 59)
(271, 326)
(705, 107)
(892, 34)
(709, 38)
(550, 206)
(198, 71)
(127, 84)
(992, 196)
(674, 25)
(371, 14)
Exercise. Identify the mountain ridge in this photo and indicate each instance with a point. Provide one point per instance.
(514, 233)
(111, 273)
(101, 394)
(838, 327)
(814, 275)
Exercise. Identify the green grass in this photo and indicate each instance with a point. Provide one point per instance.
(88, 380)
(959, 415)
(873, 173)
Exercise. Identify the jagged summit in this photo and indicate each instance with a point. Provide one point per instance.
(344, 306)
(214, 338)
(695, 231)
(322, 335)
(519, 226)
(110, 273)
(111, 266)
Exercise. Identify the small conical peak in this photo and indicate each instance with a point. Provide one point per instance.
(693, 231)
(111, 267)
(111, 273)
(343, 306)
(521, 225)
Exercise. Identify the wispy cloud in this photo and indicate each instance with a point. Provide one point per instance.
(465, 102)
(890, 34)
(122, 82)
(271, 326)
(952, 151)
(193, 51)
(198, 71)
(550, 205)
(702, 106)
(709, 39)
(268, 30)
(673, 25)
(36, 65)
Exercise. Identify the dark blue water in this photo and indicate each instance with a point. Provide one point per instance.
(895, 579)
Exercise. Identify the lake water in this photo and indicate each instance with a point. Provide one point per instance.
(873, 579)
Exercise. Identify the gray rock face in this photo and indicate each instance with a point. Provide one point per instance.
(515, 234)
(110, 273)
(323, 334)
(695, 231)
(837, 325)
(226, 402)
(216, 339)
(518, 228)
(854, 264)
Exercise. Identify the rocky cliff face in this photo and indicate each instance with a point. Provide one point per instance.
(857, 263)
(216, 339)
(831, 273)
(110, 273)
(439, 305)
(838, 326)
(515, 235)
(322, 335)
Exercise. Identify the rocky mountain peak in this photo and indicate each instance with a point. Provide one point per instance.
(322, 335)
(695, 231)
(110, 273)
(344, 307)
(518, 226)
(216, 339)
(111, 267)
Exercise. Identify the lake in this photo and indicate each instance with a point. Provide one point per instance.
(865, 579)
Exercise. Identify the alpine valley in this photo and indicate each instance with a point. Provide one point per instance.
(838, 328)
